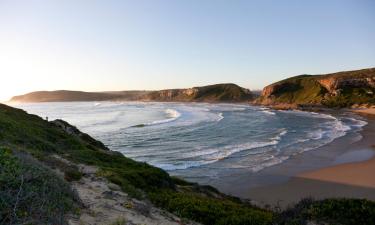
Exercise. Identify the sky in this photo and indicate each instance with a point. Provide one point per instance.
(107, 45)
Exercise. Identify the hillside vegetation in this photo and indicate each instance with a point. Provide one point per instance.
(31, 192)
(210, 93)
(342, 89)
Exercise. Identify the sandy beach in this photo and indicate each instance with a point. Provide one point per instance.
(359, 174)
(370, 112)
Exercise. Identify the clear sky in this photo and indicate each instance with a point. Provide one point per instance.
(154, 44)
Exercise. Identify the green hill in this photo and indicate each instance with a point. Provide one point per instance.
(210, 93)
(340, 89)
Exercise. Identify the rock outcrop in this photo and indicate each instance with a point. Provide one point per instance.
(359, 79)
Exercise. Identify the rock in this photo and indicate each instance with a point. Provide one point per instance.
(114, 187)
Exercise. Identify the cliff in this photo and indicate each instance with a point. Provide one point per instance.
(340, 89)
(211, 93)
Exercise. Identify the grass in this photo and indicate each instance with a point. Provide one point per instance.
(300, 90)
(27, 135)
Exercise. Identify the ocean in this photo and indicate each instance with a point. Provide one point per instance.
(201, 140)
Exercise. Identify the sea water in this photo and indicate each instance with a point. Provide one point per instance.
(198, 139)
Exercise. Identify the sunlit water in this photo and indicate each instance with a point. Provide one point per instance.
(197, 139)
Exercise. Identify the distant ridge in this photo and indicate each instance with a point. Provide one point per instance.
(211, 93)
(70, 96)
(341, 89)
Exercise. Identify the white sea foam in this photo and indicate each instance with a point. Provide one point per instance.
(268, 163)
(209, 156)
(220, 117)
(172, 115)
(268, 112)
(283, 132)
(179, 166)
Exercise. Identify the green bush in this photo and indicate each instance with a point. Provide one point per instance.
(30, 193)
(208, 210)
(72, 174)
(331, 211)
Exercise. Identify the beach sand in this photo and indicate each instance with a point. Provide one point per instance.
(366, 112)
(360, 174)
(343, 168)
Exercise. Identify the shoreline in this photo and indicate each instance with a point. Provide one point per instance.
(305, 175)
(353, 173)
(343, 179)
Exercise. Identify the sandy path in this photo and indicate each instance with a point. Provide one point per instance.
(105, 204)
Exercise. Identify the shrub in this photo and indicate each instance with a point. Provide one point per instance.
(209, 210)
(30, 193)
(331, 211)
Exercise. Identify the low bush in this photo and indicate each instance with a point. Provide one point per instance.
(209, 210)
(330, 211)
(30, 193)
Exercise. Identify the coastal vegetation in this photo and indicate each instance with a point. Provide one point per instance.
(30, 193)
(34, 151)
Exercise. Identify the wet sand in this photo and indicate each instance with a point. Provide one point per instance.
(357, 174)
(343, 168)
(366, 112)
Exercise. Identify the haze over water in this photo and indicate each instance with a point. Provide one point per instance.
(198, 140)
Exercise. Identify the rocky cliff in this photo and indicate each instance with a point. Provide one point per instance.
(211, 93)
(337, 89)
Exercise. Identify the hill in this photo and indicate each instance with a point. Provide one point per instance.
(342, 89)
(70, 96)
(210, 93)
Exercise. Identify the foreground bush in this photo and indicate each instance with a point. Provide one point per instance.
(209, 210)
(330, 211)
(30, 193)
